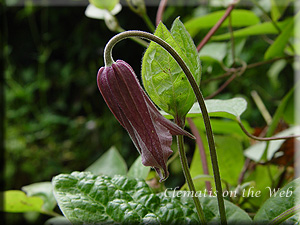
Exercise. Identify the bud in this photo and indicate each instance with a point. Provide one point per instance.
(111, 22)
(149, 130)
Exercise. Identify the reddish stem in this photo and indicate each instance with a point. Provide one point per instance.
(160, 11)
(201, 150)
(215, 27)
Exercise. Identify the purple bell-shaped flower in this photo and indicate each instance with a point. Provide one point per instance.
(149, 130)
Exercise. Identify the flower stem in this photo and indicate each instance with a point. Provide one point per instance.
(187, 174)
(109, 60)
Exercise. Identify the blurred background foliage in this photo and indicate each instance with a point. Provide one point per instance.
(56, 120)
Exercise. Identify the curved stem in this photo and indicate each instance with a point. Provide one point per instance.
(109, 61)
(187, 174)
(260, 138)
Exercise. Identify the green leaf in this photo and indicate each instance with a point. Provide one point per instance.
(278, 7)
(110, 163)
(215, 50)
(18, 202)
(283, 200)
(138, 170)
(44, 191)
(87, 199)
(257, 29)
(58, 220)
(230, 167)
(277, 116)
(278, 46)
(230, 108)
(260, 177)
(163, 79)
(105, 4)
(255, 152)
(239, 18)
(228, 127)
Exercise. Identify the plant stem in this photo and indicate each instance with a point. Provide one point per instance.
(142, 12)
(260, 138)
(160, 11)
(199, 142)
(148, 22)
(216, 27)
(186, 172)
(211, 143)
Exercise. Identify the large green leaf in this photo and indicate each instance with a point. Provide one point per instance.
(44, 191)
(163, 79)
(228, 127)
(110, 163)
(88, 199)
(239, 18)
(260, 177)
(230, 167)
(230, 108)
(18, 202)
(278, 46)
(283, 200)
(257, 29)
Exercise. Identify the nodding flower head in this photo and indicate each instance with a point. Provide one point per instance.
(149, 130)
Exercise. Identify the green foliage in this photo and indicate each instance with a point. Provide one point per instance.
(257, 29)
(44, 191)
(86, 198)
(110, 163)
(230, 108)
(230, 167)
(240, 18)
(138, 170)
(278, 47)
(282, 200)
(163, 79)
(57, 123)
(17, 201)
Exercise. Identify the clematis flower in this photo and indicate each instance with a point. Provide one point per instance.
(149, 130)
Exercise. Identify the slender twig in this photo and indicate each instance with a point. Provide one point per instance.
(148, 22)
(260, 138)
(216, 26)
(199, 142)
(187, 174)
(160, 11)
(249, 66)
(209, 134)
(244, 170)
(231, 39)
(222, 87)
(262, 108)
(142, 12)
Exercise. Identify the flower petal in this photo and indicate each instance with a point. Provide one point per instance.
(148, 129)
